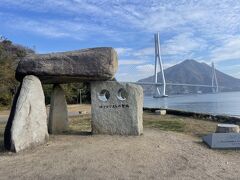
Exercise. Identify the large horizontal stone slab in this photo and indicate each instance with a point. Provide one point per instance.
(92, 64)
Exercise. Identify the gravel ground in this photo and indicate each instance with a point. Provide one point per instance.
(155, 155)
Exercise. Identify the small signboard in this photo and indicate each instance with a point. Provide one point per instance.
(222, 140)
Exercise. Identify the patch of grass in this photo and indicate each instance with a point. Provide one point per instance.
(173, 125)
(79, 125)
(187, 125)
(4, 108)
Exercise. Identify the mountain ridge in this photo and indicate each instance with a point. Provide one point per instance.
(192, 72)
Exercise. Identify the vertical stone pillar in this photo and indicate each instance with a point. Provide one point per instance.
(58, 115)
(27, 123)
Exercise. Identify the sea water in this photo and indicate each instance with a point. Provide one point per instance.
(225, 103)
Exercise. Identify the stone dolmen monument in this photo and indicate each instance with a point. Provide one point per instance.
(116, 107)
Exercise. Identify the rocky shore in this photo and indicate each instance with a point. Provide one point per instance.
(205, 116)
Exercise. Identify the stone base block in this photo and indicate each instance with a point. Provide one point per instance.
(117, 108)
(222, 140)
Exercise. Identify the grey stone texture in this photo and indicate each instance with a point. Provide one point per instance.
(222, 140)
(82, 65)
(58, 115)
(227, 128)
(27, 124)
(117, 108)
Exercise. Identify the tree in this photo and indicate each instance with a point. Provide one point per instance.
(10, 54)
(71, 92)
(9, 57)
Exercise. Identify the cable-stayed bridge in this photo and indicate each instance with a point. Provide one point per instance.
(160, 88)
(178, 84)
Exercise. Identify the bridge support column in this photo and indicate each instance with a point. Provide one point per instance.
(214, 80)
(157, 92)
(158, 59)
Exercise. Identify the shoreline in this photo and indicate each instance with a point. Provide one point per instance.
(73, 110)
(203, 116)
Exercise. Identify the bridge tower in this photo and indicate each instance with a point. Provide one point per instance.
(160, 90)
(214, 80)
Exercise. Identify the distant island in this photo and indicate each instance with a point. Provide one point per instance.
(192, 72)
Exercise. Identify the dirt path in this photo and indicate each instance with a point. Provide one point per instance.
(155, 155)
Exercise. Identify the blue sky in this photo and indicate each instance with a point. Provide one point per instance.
(204, 30)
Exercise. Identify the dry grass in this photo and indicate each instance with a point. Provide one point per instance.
(2, 127)
(176, 155)
(187, 125)
(191, 126)
(79, 107)
(4, 108)
(82, 125)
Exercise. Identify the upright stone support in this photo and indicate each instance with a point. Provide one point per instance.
(27, 123)
(58, 115)
(117, 108)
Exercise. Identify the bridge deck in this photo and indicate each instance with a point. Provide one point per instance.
(177, 84)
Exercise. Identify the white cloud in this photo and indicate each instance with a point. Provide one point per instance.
(142, 71)
(152, 16)
(57, 28)
(146, 69)
(123, 51)
(179, 47)
(192, 29)
(229, 50)
(130, 62)
(148, 51)
(183, 44)
(144, 52)
(209, 17)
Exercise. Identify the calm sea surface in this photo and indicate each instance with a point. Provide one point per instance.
(227, 103)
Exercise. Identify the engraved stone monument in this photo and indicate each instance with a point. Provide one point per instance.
(117, 108)
(222, 140)
(226, 136)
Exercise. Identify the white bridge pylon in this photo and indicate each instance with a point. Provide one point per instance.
(214, 80)
(159, 89)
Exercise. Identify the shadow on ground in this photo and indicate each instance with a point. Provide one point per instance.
(2, 127)
(74, 132)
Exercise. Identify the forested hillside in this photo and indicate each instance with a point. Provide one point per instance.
(10, 54)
